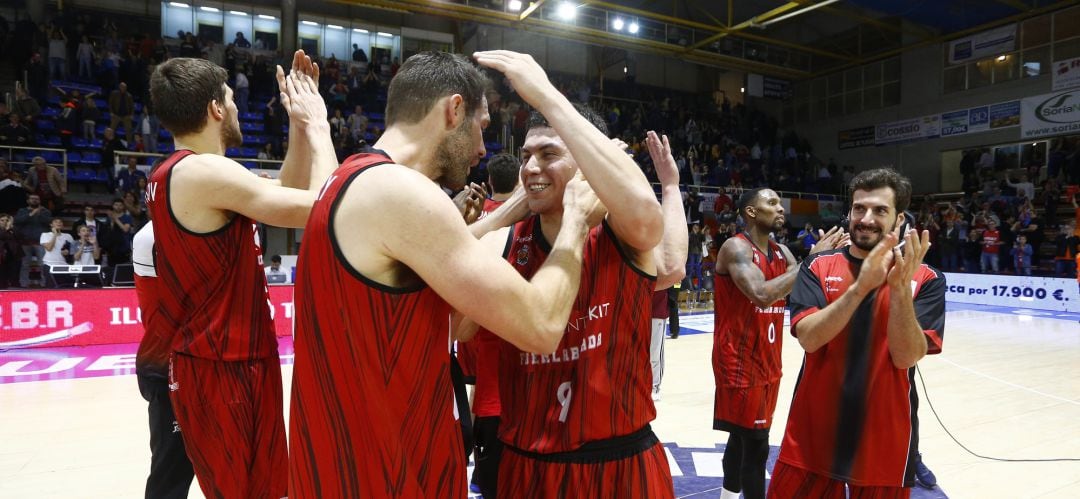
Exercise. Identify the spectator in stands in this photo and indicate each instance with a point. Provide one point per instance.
(358, 54)
(12, 194)
(339, 128)
(15, 133)
(267, 152)
(949, 247)
(241, 89)
(26, 105)
(991, 241)
(1067, 246)
(57, 243)
(971, 250)
(89, 220)
(274, 269)
(115, 237)
(806, 239)
(57, 54)
(1021, 254)
(30, 221)
(241, 42)
(128, 177)
(695, 247)
(110, 144)
(69, 119)
(86, 250)
(37, 77)
(121, 109)
(188, 46)
(85, 55)
(11, 253)
(259, 43)
(90, 114)
(1023, 187)
(135, 209)
(47, 182)
(358, 123)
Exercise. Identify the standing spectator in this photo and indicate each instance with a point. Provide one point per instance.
(693, 257)
(57, 54)
(949, 244)
(148, 128)
(991, 239)
(116, 240)
(128, 177)
(1021, 253)
(90, 221)
(358, 123)
(240, 41)
(37, 77)
(27, 105)
(121, 109)
(11, 253)
(358, 54)
(15, 133)
(970, 250)
(47, 183)
(90, 114)
(807, 239)
(240, 92)
(1066, 248)
(86, 250)
(1024, 187)
(110, 143)
(57, 243)
(85, 55)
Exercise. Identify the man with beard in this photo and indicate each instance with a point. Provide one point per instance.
(224, 371)
(753, 275)
(386, 255)
(864, 314)
(575, 417)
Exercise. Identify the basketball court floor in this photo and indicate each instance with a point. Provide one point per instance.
(73, 425)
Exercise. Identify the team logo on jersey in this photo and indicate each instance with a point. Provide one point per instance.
(522, 256)
(756, 259)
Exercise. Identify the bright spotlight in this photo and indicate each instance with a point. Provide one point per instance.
(617, 24)
(567, 11)
(515, 5)
(632, 28)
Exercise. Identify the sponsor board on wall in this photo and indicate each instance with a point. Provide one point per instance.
(1066, 74)
(57, 318)
(1004, 114)
(1050, 114)
(954, 123)
(923, 127)
(980, 118)
(1041, 293)
(856, 137)
(981, 45)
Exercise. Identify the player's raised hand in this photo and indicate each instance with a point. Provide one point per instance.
(516, 207)
(660, 151)
(876, 266)
(300, 92)
(829, 240)
(528, 78)
(580, 199)
(907, 260)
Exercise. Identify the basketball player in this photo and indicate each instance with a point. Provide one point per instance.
(864, 314)
(753, 275)
(385, 258)
(170, 469)
(224, 372)
(575, 418)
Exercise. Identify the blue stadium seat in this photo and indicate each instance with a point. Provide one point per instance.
(165, 147)
(164, 134)
(91, 158)
(104, 119)
(375, 116)
(251, 127)
(50, 141)
(232, 152)
(102, 104)
(97, 144)
(250, 165)
(50, 112)
(79, 142)
(47, 125)
(52, 157)
(249, 152)
(493, 146)
(103, 177)
(74, 158)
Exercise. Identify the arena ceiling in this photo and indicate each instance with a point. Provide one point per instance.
(794, 39)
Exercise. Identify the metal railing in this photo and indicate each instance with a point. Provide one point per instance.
(10, 156)
(264, 164)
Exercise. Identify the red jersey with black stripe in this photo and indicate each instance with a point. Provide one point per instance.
(597, 384)
(372, 411)
(854, 415)
(213, 296)
(747, 339)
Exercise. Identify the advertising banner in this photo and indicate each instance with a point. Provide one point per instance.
(907, 130)
(954, 123)
(69, 317)
(856, 137)
(1004, 114)
(1041, 293)
(1066, 74)
(992, 42)
(1050, 114)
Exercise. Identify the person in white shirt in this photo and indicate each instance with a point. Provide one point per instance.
(1023, 186)
(87, 251)
(275, 269)
(56, 243)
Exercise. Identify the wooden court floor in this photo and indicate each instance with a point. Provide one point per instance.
(1006, 385)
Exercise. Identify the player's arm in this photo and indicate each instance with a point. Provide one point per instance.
(670, 254)
(512, 211)
(736, 259)
(633, 211)
(311, 157)
(812, 321)
(428, 235)
(907, 341)
(220, 183)
(463, 328)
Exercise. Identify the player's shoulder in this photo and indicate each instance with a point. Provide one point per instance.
(827, 257)
(927, 273)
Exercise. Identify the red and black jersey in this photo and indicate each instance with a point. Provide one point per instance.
(747, 339)
(372, 412)
(490, 205)
(213, 296)
(854, 416)
(152, 358)
(597, 384)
